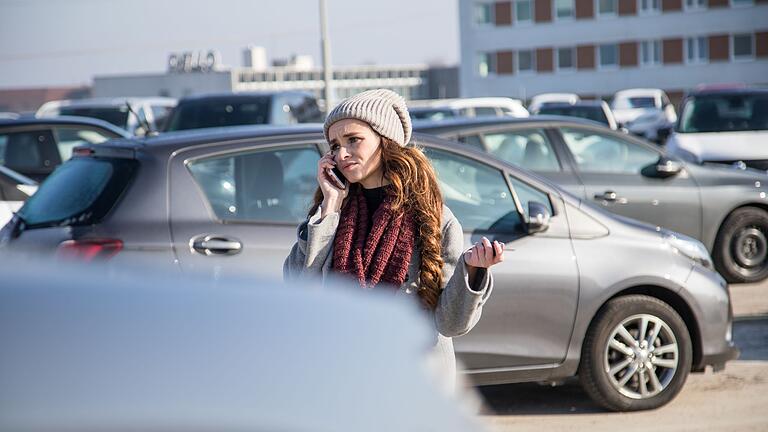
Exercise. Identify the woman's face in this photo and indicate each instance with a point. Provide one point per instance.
(357, 151)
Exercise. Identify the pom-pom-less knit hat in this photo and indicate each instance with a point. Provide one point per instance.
(384, 110)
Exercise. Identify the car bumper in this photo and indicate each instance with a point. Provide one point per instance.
(718, 361)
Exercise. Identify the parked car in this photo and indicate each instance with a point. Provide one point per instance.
(726, 126)
(579, 289)
(135, 115)
(87, 349)
(644, 112)
(545, 99)
(437, 109)
(723, 207)
(34, 147)
(597, 111)
(14, 190)
(235, 109)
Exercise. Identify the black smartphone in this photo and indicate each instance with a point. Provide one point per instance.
(337, 178)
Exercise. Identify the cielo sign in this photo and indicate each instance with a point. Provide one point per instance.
(193, 61)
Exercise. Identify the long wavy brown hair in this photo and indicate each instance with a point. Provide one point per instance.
(416, 191)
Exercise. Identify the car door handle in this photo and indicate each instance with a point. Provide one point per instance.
(607, 196)
(215, 245)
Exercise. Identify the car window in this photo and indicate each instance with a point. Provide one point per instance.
(594, 113)
(67, 138)
(266, 185)
(214, 112)
(529, 149)
(476, 193)
(28, 150)
(485, 111)
(160, 114)
(601, 153)
(473, 141)
(527, 193)
(725, 113)
(117, 115)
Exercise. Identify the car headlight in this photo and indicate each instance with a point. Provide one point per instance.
(691, 248)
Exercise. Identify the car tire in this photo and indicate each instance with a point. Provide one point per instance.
(741, 247)
(601, 372)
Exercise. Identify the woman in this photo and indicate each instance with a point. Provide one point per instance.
(386, 225)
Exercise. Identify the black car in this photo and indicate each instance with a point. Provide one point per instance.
(34, 147)
(237, 109)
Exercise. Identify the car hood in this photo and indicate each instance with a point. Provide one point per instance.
(722, 146)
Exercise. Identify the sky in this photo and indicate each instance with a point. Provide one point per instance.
(67, 42)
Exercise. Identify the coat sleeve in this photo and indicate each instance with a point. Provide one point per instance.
(313, 246)
(460, 305)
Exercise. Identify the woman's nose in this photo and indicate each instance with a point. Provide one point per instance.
(342, 153)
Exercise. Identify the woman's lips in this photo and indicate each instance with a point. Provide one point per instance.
(347, 165)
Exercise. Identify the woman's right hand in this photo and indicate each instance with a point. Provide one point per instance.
(332, 196)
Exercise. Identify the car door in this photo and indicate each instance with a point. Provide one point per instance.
(528, 318)
(619, 174)
(528, 147)
(235, 208)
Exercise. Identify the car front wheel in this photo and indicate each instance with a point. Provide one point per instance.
(637, 354)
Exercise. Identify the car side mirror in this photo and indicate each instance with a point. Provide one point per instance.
(664, 168)
(538, 217)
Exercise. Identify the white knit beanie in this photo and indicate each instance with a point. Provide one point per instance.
(384, 110)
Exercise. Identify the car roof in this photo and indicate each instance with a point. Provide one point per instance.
(729, 91)
(64, 121)
(581, 103)
(470, 122)
(109, 102)
(639, 92)
(239, 95)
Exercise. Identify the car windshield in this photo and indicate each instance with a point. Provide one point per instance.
(634, 102)
(207, 113)
(725, 113)
(118, 115)
(585, 112)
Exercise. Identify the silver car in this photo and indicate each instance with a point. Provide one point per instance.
(629, 308)
(725, 208)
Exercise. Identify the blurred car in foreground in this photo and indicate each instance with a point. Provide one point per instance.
(34, 147)
(85, 349)
(597, 111)
(14, 190)
(579, 289)
(237, 109)
(438, 109)
(137, 115)
(725, 126)
(644, 112)
(725, 208)
(545, 99)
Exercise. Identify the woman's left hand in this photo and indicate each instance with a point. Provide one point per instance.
(481, 254)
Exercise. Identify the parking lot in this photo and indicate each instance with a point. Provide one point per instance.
(731, 400)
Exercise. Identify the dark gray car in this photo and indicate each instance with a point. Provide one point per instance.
(725, 208)
(630, 308)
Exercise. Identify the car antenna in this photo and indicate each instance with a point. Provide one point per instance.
(144, 123)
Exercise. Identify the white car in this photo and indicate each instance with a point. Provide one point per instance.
(437, 109)
(14, 191)
(643, 112)
(540, 100)
(724, 126)
(131, 114)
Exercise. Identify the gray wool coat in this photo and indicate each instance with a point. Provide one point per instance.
(459, 307)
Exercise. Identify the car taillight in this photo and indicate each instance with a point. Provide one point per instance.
(89, 249)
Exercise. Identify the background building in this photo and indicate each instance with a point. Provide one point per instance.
(198, 73)
(593, 48)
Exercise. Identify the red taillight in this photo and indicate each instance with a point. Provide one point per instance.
(89, 249)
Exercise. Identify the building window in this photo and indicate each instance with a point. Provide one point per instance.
(486, 64)
(608, 55)
(740, 3)
(607, 7)
(695, 4)
(650, 52)
(526, 61)
(650, 6)
(523, 11)
(564, 9)
(697, 50)
(743, 47)
(483, 13)
(566, 58)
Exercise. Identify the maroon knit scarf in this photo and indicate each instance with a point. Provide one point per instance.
(381, 256)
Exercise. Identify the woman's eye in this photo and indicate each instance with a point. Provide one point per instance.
(353, 140)
(334, 148)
